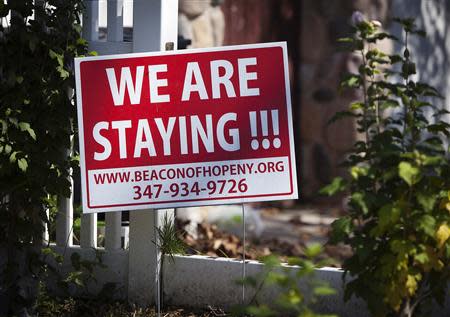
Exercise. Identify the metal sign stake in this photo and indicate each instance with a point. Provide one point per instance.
(243, 254)
(158, 268)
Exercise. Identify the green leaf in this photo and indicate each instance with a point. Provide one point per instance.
(427, 224)
(62, 72)
(426, 200)
(351, 81)
(346, 40)
(439, 127)
(271, 261)
(261, 311)
(12, 157)
(337, 185)
(408, 173)
(313, 250)
(422, 258)
(324, 290)
(24, 126)
(23, 164)
(357, 171)
(356, 106)
(389, 104)
(341, 228)
(388, 216)
(58, 57)
(4, 126)
(359, 199)
(408, 68)
(295, 261)
(395, 58)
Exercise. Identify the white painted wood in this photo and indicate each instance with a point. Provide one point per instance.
(45, 234)
(142, 258)
(113, 232)
(169, 34)
(90, 20)
(108, 48)
(115, 21)
(128, 13)
(114, 271)
(200, 281)
(125, 234)
(155, 23)
(102, 13)
(88, 233)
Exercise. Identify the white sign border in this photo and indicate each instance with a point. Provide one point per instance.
(293, 171)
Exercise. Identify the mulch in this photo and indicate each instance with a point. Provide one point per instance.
(211, 241)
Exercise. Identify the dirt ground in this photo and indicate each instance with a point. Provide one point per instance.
(287, 231)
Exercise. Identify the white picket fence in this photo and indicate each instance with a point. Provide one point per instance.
(190, 280)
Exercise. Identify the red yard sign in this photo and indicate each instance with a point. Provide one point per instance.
(185, 128)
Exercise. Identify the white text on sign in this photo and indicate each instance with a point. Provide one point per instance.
(193, 82)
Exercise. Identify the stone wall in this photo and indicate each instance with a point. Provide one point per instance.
(201, 21)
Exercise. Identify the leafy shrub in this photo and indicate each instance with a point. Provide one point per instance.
(399, 184)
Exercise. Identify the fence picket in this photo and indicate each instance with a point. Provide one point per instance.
(45, 234)
(113, 230)
(88, 229)
(64, 220)
(90, 20)
(115, 21)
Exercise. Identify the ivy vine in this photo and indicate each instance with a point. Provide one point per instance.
(38, 41)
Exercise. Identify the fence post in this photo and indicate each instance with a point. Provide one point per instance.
(90, 20)
(155, 23)
(115, 20)
(114, 34)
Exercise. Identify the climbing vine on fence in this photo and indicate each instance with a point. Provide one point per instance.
(38, 41)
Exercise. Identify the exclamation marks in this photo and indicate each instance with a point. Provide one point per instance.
(253, 130)
(264, 129)
(276, 129)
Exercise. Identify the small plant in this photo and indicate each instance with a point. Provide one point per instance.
(168, 243)
(399, 185)
(292, 299)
